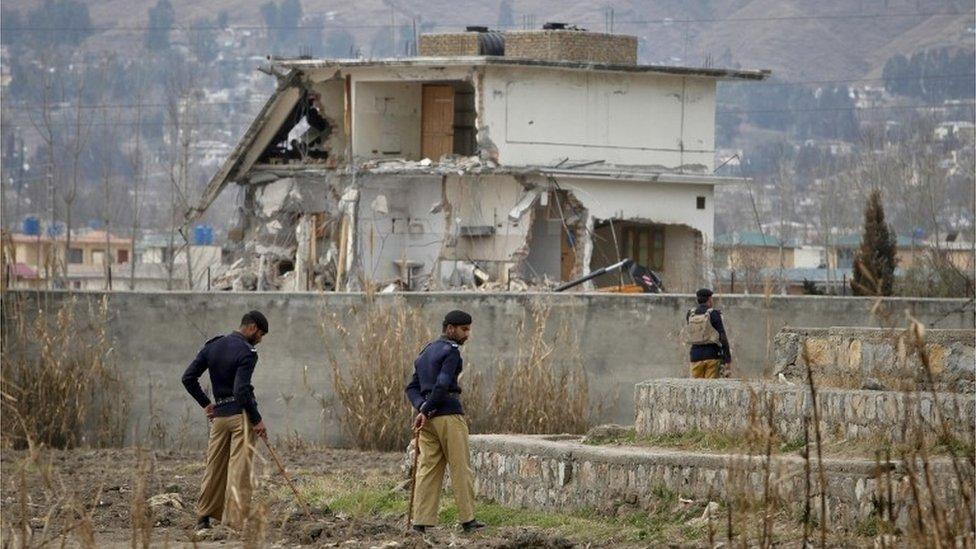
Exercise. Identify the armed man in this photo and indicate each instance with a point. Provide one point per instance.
(443, 439)
(711, 356)
(234, 420)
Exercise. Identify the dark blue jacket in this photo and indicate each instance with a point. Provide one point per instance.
(230, 359)
(711, 351)
(434, 389)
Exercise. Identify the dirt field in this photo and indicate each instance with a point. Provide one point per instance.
(87, 497)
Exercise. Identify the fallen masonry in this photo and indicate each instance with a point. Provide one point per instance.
(551, 473)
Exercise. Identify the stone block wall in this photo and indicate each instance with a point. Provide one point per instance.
(549, 474)
(848, 356)
(671, 406)
(449, 44)
(569, 45)
(549, 45)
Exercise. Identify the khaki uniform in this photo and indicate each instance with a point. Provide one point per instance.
(708, 369)
(226, 491)
(443, 442)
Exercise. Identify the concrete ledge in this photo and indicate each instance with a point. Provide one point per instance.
(670, 406)
(848, 354)
(564, 475)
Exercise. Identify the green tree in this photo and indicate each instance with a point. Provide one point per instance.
(874, 264)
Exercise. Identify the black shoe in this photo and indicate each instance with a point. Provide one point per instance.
(203, 523)
(472, 525)
(420, 528)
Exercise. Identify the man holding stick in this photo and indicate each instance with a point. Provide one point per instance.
(443, 431)
(234, 420)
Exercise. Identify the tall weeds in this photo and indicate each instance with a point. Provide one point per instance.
(371, 368)
(543, 389)
(60, 386)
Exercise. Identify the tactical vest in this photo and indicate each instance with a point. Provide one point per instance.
(699, 330)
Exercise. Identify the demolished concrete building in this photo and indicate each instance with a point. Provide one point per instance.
(492, 160)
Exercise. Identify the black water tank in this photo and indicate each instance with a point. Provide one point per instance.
(491, 43)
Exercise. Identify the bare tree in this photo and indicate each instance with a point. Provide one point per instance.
(181, 113)
(80, 126)
(137, 163)
(42, 118)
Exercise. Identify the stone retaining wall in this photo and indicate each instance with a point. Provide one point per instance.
(548, 474)
(845, 355)
(669, 406)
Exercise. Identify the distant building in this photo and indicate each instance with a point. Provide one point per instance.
(533, 155)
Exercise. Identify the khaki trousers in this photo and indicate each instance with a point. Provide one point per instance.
(708, 369)
(443, 442)
(226, 491)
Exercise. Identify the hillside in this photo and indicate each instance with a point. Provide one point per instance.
(797, 39)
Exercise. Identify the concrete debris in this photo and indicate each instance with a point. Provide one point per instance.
(379, 205)
(173, 500)
(449, 164)
(524, 204)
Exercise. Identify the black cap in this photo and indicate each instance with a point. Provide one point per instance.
(457, 318)
(256, 318)
(703, 295)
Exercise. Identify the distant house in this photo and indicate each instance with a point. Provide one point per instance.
(41, 257)
(752, 250)
(843, 250)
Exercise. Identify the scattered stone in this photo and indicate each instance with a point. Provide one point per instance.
(311, 533)
(606, 433)
(216, 533)
(170, 499)
(872, 384)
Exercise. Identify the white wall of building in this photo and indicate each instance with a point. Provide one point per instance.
(386, 120)
(540, 115)
(664, 203)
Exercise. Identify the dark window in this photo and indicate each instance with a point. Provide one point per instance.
(123, 256)
(76, 255)
(701, 202)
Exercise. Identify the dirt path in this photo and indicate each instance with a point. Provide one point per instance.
(87, 496)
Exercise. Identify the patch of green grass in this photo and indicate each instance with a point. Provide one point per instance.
(666, 520)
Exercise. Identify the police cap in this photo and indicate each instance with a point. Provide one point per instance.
(256, 318)
(457, 318)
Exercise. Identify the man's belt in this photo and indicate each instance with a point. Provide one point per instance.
(224, 400)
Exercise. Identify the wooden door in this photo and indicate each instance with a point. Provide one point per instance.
(567, 256)
(437, 121)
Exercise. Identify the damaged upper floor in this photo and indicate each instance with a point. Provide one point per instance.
(559, 98)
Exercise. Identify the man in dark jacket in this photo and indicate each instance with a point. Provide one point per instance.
(711, 356)
(434, 392)
(234, 420)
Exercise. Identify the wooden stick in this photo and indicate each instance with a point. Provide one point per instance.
(413, 476)
(298, 496)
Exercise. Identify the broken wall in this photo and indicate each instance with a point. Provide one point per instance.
(395, 224)
(479, 226)
(640, 119)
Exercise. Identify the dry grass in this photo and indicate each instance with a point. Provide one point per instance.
(543, 389)
(60, 385)
(370, 371)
